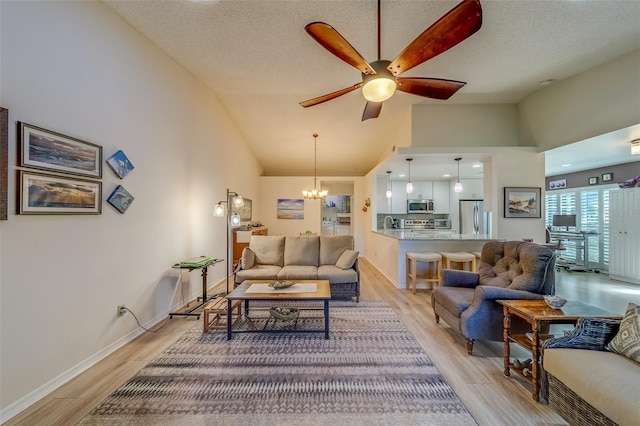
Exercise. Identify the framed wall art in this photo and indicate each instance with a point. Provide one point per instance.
(120, 164)
(120, 199)
(245, 211)
(291, 208)
(522, 202)
(46, 150)
(607, 177)
(4, 162)
(39, 193)
(593, 180)
(558, 184)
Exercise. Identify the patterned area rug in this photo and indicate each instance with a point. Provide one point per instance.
(371, 371)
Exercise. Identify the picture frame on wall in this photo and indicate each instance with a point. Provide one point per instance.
(607, 177)
(120, 199)
(522, 202)
(120, 164)
(46, 150)
(593, 180)
(40, 193)
(558, 184)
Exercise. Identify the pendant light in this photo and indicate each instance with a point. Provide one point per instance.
(458, 186)
(409, 184)
(314, 193)
(389, 193)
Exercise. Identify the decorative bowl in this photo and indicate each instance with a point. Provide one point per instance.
(281, 284)
(283, 313)
(555, 302)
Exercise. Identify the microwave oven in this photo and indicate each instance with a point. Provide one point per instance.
(419, 206)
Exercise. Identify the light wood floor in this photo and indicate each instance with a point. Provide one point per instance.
(491, 398)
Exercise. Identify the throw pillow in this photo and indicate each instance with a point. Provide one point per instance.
(347, 259)
(627, 341)
(590, 333)
(248, 258)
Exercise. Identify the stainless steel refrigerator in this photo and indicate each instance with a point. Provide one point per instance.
(472, 217)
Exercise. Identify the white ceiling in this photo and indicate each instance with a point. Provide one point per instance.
(256, 56)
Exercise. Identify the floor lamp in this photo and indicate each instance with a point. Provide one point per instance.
(225, 208)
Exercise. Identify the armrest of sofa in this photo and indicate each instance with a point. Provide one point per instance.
(457, 278)
(486, 292)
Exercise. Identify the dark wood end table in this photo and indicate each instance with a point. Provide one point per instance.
(538, 313)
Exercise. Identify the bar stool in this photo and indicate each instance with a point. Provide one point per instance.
(477, 255)
(466, 260)
(433, 269)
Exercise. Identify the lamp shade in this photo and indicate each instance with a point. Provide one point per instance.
(235, 219)
(389, 193)
(219, 210)
(379, 89)
(409, 187)
(457, 187)
(238, 201)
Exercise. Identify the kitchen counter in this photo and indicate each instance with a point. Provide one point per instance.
(387, 249)
(432, 235)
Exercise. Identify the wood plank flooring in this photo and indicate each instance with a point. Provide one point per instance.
(491, 398)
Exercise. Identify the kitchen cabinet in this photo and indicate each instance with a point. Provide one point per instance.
(422, 190)
(399, 197)
(239, 246)
(624, 235)
(472, 189)
(441, 192)
(382, 202)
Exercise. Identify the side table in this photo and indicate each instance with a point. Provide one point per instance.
(204, 297)
(538, 313)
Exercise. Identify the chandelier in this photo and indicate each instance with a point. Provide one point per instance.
(314, 194)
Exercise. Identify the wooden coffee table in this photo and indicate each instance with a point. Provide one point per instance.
(538, 313)
(301, 291)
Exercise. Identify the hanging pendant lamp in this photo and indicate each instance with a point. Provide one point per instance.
(458, 186)
(409, 184)
(389, 193)
(314, 194)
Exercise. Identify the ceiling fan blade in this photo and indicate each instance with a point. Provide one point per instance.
(331, 40)
(429, 87)
(371, 110)
(329, 96)
(455, 26)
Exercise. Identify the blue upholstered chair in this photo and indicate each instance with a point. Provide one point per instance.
(509, 270)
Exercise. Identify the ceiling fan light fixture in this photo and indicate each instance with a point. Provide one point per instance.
(380, 86)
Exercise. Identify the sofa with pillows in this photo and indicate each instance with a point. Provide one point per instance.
(593, 372)
(329, 258)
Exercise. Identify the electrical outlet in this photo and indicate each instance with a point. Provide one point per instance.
(121, 310)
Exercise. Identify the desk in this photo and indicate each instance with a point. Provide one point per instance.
(204, 297)
(538, 313)
(576, 236)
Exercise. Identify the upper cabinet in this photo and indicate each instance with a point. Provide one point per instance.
(441, 191)
(399, 197)
(421, 191)
(471, 189)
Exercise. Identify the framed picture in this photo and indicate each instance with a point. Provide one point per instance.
(48, 194)
(522, 202)
(4, 162)
(120, 199)
(46, 150)
(558, 184)
(245, 211)
(290, 208)
(120, 164)
(607, 177)
(593, 180)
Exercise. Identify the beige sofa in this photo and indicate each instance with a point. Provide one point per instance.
(587, 383)
(304, 258)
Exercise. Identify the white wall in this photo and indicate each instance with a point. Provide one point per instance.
(78, 69)
(595, 102)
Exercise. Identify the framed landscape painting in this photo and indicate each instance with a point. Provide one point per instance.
(46, 150)
(522, 202)
(48, 194)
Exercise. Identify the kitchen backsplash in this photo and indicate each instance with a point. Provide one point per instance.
(380, 218)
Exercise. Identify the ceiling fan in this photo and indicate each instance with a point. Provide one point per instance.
(379, 81)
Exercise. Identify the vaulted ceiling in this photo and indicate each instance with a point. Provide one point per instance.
(257, 58)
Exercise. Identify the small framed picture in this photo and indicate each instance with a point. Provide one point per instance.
(522, 202)
(120, 199)
(593, 180)
(120, 164)
(558, 184)
(607, 177)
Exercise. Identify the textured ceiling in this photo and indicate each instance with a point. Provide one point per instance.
(258, 59)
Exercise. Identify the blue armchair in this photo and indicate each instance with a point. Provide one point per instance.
(508, 270)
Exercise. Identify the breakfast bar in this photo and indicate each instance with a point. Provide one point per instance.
(390, 248)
